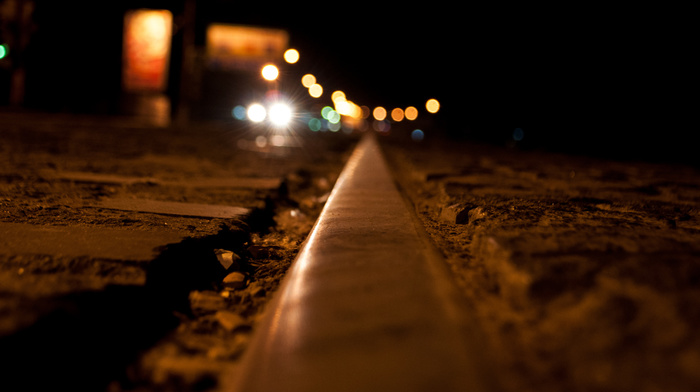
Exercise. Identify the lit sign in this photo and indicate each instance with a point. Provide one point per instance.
(147, 38)
(233, 47)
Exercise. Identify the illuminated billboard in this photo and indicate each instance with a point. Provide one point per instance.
(146, 51)
(235, 47)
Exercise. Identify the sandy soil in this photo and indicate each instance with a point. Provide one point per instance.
(582, 273)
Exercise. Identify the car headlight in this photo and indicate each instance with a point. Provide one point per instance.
(280, 114)
(256, 112)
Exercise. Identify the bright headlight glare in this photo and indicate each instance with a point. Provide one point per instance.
(280, 114)
(256, 112)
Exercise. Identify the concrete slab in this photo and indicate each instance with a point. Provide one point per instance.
(96, 178)
(173, 208)
(98, 242)
(214, 182)
(228, 182)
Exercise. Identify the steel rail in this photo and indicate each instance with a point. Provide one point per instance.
(367, 305)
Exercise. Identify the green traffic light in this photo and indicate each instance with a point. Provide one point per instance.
(3, 51)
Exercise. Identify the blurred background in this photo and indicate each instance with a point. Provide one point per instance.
(599, 80)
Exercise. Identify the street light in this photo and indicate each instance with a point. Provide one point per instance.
(316, 90)
(432, 105)
(379, 113)
(291, 56)
(270, 72)
(411, 113)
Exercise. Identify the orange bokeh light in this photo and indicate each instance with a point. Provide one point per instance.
(397, 114)
(316, 90)
(308, 80)
(432, 105)
(379, 113)
(411, 113)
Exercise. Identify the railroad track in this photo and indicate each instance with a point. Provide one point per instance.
(367, 304)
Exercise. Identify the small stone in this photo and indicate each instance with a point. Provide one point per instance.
(256, 290)
(323, 198)
(476, 214)
(206, 301)
(234, 280)
(323, 183)
(227, 259)
(230, 320)
(229, 350)
(455, 214)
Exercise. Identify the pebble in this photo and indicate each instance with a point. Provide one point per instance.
(455, 214)
(476, 213)
(229, 320)
(256, 290)
(206, 301)
(230, 350)
(323, 198)
(235, 280)
(227, 258)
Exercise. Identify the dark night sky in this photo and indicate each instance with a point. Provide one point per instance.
(567, 75)
(561, 71)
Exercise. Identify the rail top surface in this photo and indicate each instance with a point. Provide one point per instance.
(367, 305)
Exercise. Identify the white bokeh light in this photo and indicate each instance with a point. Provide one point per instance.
(256, 112)
(280, 114)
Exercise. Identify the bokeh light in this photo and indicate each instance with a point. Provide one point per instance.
(278, 140)
(338, 96)
(280, 114)
(291, 56)
(316, 90)
(518, 134)
(411, 113)
(256, 112)
(333, 117)
(146, 49)
(397, 114)
(308, 80)
(239, 112)
(379, 113)
(325, 111)
(365, 111)
(315, 124)
(381, 126)
(417, 135)
(334, 127)
(348, 108)
(432, 105)
(270, 72)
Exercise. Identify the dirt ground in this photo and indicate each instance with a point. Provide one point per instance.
(174, 323)
(583, 273)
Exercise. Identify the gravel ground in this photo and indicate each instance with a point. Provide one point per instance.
(181, 321)
(583, 273)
